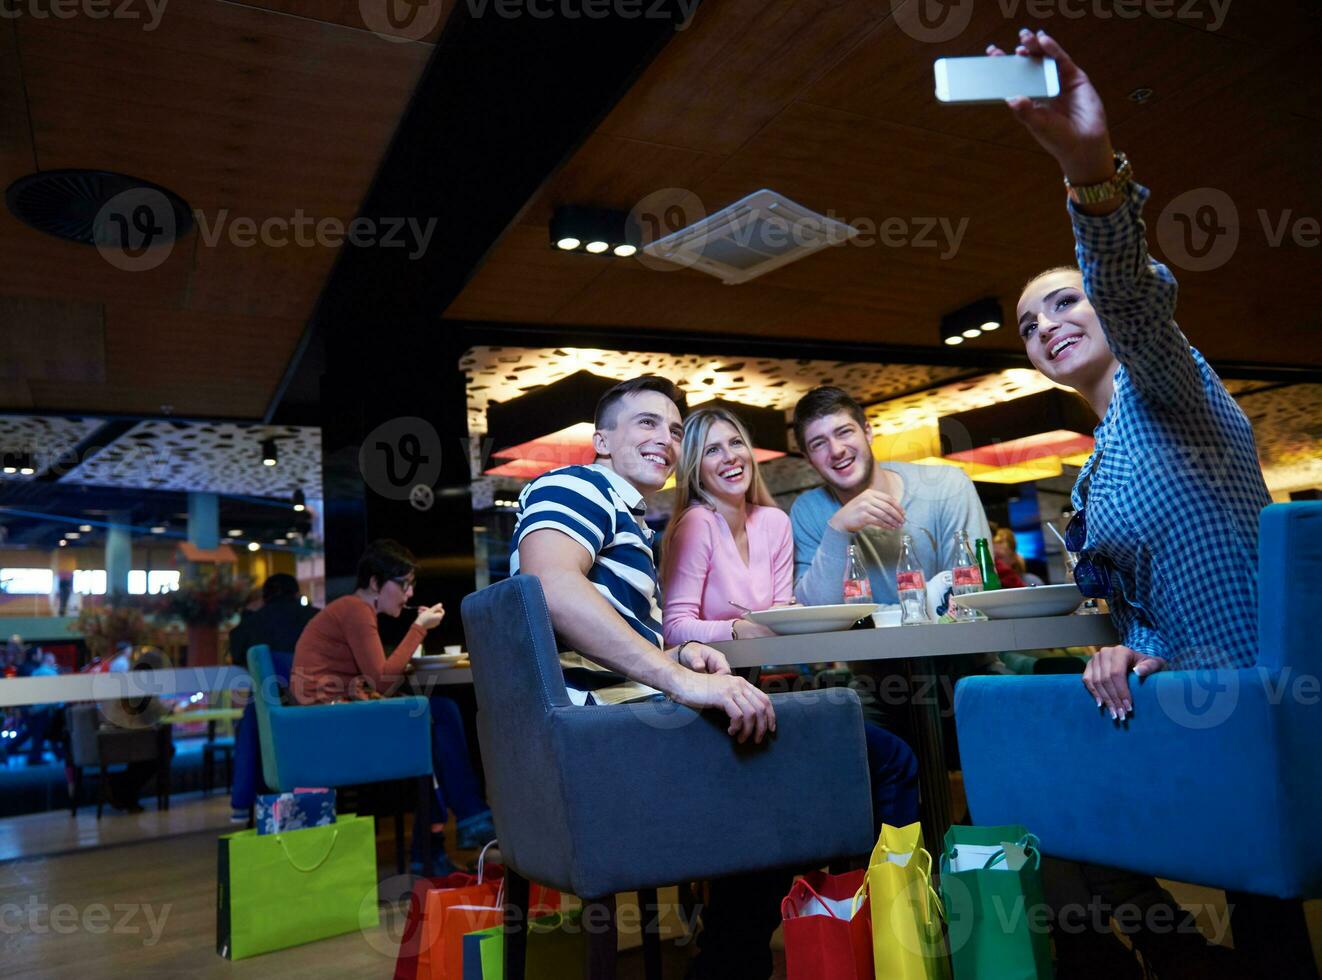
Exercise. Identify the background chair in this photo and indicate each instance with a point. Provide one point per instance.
(617, 798)
(93, 744)
(1216, 779)
(336, 745)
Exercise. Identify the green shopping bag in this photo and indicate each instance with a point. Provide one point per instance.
(557, 949)
(991, 884)
(281, 890)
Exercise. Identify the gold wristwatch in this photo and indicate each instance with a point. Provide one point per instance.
(1097, 193)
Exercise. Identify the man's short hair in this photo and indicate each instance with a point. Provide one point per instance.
(608, 404)
(279, 586)
(822, 401)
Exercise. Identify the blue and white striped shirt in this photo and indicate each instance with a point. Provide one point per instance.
(596, 507)
(1173, 488)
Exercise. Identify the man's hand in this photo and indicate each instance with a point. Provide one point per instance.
(1072, 126)
(749, 709)
(871, 508)
(1107, 677)
(703, 659)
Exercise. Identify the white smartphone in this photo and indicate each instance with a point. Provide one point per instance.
(988, 79)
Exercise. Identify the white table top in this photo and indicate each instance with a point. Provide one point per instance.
(937, 640)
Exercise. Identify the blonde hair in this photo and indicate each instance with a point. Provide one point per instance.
(689, 491)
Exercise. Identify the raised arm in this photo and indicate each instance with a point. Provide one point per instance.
(370, 656)
(1133, 294)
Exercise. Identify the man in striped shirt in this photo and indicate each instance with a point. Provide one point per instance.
(581, 531)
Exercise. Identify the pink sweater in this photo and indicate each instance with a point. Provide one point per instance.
(706, 572)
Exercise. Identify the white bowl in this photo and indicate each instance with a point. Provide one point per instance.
(791, 620)
(887, 616)
(1025, 603)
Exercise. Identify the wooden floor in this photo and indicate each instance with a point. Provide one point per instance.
(134, 896)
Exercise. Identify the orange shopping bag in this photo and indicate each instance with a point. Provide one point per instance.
(450, 914)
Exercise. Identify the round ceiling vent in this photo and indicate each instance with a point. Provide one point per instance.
(93, 206)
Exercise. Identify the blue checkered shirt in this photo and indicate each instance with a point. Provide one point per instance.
(1173, 488)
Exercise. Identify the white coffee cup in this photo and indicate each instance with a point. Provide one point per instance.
(454, 648)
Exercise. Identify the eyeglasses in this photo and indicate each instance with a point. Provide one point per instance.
(404, 582)
(1092, 573)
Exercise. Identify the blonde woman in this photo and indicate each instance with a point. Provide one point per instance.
(728, 544)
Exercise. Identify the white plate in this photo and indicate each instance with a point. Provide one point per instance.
(1044, 600)
(789, 620)
(438, 659)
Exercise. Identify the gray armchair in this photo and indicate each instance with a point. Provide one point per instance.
(617, 798)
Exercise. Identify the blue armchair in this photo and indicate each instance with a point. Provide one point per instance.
(1217, 777)
(614, 798)
(342, 744)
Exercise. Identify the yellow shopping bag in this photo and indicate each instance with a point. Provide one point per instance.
(907, 916)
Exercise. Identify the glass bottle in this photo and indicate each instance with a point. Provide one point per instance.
(987, 566)
(911, 584)
(858, 587)
(966, 577)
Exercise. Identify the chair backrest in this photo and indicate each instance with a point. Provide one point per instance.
(519, 687)
(82, 721)
(268, 678)
(1289, 581)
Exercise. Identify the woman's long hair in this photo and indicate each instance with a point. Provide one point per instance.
(689, 491)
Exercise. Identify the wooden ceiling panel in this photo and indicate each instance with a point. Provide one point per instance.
(273, 111)
(609, 171)
(853, 131)
(735, 67)
(547, 279)
(889, 75)
(395, 21)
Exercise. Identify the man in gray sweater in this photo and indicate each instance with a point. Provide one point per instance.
(870, 505)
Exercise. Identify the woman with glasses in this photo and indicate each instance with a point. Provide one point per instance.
(1166, 522)
(339, 657)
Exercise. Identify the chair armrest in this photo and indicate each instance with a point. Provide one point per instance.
(346, 744)
(1176, 791)
(657, 792)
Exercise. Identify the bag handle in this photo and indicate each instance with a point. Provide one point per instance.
(324, 858)
(933, 899)
(1029, 843)
(482, 861)
(803, 883)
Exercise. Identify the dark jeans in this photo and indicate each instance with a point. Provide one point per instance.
(456, 786)
(36, 728)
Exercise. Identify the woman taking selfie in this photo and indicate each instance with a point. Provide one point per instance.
(1171, 493)
(339, 657)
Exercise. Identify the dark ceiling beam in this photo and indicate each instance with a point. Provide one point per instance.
(502, 104)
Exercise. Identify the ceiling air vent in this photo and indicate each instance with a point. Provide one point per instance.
(68, 203)
(756, 234)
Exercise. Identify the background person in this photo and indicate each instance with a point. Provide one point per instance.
(277, 624)
(339, 657)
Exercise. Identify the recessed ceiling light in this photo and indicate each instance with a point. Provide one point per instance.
(624, 251)
(158, 529)
(989, 326)
(299, 501)
(955, 339)
(254, 546)
(972, 332)
(596, 248)
(63, 543)
(234, 532)
(268, 452)
(84, 527)
(11, 469)
(26, 470)
(568, 244)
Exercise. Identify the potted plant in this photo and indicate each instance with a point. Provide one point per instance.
(105, 626)
(202, 604)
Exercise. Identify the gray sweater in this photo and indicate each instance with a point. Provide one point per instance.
(938, 500)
